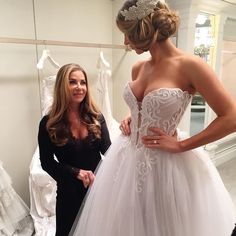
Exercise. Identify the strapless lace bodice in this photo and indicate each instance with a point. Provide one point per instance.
(162, 108)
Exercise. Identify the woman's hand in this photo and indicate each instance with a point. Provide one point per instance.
(162, 141)
(86, 176)
(125, 126)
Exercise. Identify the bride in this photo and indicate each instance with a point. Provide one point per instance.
(152, 183)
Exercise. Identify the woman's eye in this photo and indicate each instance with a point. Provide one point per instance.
(83, 82)
(72, 82)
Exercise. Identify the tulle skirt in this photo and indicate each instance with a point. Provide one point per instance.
(145, 192)
(15, 218)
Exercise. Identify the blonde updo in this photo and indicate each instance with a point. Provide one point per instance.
(155, 27)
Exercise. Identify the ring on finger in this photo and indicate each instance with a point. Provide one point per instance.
(155, 141)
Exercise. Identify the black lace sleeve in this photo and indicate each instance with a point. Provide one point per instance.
(56, 170)
(105, 137)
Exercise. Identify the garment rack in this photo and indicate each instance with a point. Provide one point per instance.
(61, 43)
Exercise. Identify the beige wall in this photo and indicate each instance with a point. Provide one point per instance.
(19, 94)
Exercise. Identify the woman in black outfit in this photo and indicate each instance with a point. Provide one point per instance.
(75, 132)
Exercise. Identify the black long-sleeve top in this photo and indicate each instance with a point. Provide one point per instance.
(76, 154)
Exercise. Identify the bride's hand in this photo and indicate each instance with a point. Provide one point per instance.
(125, 126)
(162, 141)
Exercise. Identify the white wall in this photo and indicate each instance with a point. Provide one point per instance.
(72, 20)
(76, 21)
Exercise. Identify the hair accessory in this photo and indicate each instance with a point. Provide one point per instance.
(143, 8)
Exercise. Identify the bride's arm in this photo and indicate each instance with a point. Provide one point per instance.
(205, 82)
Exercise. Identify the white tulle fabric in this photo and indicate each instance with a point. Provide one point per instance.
(149, 192)
(15, 218)
(104, 75)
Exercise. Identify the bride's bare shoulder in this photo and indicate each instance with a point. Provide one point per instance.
(136, 68)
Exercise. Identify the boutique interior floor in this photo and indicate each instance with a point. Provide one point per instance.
(228, 174)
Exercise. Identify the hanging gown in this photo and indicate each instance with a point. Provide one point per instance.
(15, 218)
(104, 74)
(140, 191)
(42, 185)
(47, 93)
(42, 198)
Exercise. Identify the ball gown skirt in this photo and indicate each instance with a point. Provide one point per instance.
(167, 195)
(140, 191)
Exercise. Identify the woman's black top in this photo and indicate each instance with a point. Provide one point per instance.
(76, 154)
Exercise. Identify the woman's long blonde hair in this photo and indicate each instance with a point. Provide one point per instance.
(57, 124)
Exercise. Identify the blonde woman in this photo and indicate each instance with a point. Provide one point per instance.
(151, 182)
(75, 132)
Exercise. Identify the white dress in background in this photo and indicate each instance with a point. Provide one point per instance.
(47, 93)
(15, 217)
(104, 75)
(42, 198)
(42, 185)
(140, 191)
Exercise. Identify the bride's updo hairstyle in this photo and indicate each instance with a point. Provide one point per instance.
(144, 29)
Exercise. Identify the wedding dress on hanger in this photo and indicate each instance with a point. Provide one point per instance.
(15, 219)
(104, 75)
(42, 186)
(47, 81)
(46, 55)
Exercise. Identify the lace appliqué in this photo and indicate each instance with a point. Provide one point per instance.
(161, 108)
(144, 166)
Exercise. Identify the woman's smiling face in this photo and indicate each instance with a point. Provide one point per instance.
(77, 86)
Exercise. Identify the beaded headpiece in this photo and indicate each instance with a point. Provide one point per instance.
(140, 10)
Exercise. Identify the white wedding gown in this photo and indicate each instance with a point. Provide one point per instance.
(148, 192)
(15, 219)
